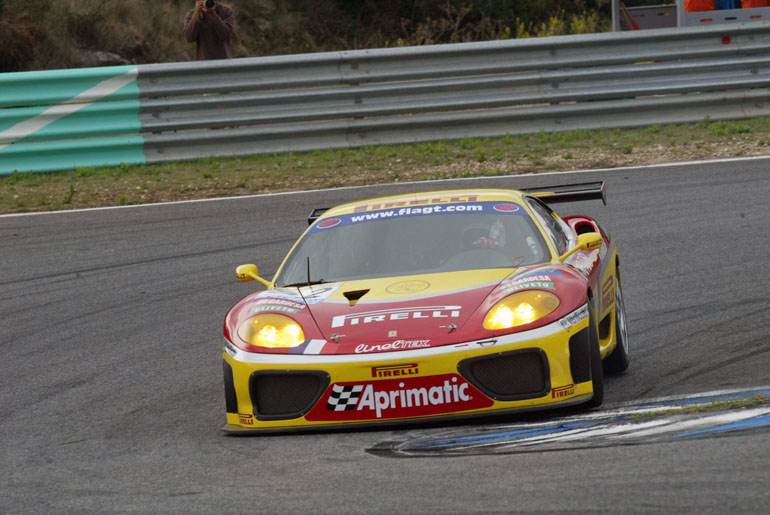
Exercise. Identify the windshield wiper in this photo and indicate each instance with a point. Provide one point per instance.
(304, 283)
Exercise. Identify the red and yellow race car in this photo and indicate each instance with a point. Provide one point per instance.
(428, 305)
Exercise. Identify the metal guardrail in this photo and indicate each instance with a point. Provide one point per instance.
(167, 112)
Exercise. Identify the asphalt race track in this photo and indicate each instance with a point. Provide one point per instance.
(111, 395)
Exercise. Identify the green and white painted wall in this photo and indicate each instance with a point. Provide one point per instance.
(64, 119)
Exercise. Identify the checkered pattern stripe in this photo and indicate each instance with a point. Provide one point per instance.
(344, 398)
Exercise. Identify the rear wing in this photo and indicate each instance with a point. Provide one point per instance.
(570, 192)
(315, 214)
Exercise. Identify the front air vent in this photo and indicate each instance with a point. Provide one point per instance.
(509, 376)
(285, 394)
(354, 296)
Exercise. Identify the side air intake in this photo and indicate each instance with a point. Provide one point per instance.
(509, 376)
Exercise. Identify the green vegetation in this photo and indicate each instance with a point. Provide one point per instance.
(50, 34)
(467, 157)
(757, 400)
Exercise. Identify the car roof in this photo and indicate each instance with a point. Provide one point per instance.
(426, 198)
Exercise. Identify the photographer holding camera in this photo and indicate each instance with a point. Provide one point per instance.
(210, 25)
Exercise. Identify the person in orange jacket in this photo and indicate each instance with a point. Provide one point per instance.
(747, 4)
(698, 5)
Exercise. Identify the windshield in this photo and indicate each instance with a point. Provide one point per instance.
(419, 240)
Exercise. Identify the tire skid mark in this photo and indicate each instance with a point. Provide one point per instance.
(750, 354)
(76, 273)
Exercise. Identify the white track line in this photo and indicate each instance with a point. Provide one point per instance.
(633, 429)
(438, 181)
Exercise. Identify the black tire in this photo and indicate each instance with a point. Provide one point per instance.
(618, 361)
(597, 373)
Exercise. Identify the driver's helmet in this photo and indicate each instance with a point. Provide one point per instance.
(480, 235)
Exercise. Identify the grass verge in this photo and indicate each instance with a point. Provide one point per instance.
(757, 400)
(467, 157)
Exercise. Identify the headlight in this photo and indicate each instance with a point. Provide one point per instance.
(521, 308)
(271, 331)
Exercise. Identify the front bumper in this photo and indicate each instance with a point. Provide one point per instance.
(542, 368)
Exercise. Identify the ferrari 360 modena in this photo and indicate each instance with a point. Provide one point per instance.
(429, 305)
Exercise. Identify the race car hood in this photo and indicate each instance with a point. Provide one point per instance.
(419, 309)
(414, 307)
(397, 313)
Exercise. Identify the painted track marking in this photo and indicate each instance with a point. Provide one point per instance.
(670, 419)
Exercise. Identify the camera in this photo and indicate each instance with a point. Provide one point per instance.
(210, 4)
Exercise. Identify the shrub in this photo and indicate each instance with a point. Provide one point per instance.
(45, 34)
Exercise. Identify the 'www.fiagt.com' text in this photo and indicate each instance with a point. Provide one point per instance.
(406, 211)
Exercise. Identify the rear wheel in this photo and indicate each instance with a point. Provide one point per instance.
(597, 374)
(618, 360)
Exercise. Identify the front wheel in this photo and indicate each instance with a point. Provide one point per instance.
(618, 360)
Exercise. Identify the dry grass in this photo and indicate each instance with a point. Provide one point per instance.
(510, 155)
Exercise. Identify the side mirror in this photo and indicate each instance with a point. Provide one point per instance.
(246, 273)
(586, 241)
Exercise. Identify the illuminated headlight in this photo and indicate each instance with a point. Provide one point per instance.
(521, 308)
(271, 331)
